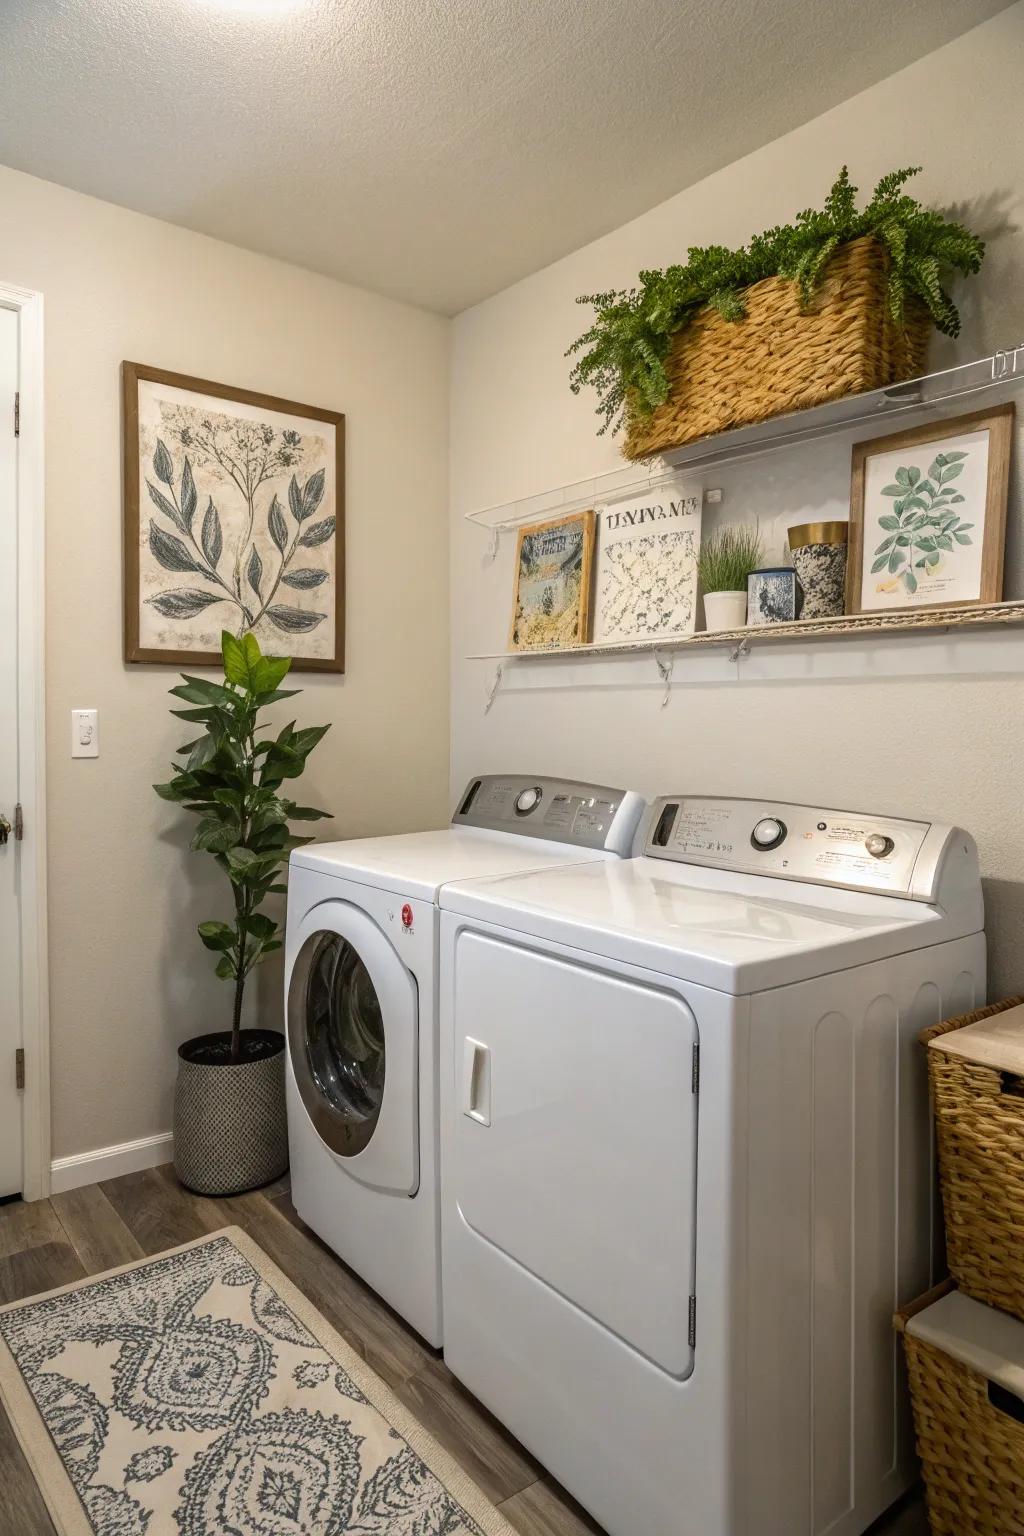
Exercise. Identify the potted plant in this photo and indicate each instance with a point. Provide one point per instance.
(838, 302)
(725, 561)
(230, 1132)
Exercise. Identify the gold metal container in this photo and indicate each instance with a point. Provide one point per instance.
(818, 533)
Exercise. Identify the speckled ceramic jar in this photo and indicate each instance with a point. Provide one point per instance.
(819, 558)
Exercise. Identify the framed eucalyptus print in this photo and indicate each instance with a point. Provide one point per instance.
(928, 515)
(233, 519)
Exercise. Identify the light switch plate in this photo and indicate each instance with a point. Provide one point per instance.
(85, 733)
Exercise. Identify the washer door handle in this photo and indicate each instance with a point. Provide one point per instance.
(476, 1080)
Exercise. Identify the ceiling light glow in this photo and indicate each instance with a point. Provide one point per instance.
(269, 8)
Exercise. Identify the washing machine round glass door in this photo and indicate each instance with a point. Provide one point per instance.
(352, 1042)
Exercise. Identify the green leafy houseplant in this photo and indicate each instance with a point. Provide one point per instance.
(623, 353)
(922, 525)
(727, 558)
(231, 777)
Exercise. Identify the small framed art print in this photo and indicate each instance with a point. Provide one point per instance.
(646, 565)
(551, 604)
(928, 515)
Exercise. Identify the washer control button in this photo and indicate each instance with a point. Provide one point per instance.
(528, 800)
(768, 833)
(878, 845)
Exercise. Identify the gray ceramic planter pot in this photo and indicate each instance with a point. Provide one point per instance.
(230, 1130)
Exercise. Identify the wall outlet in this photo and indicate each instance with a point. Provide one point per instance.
(85, 733)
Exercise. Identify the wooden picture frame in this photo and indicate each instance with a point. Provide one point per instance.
(245, 508)
(901, 532)
(553, 577)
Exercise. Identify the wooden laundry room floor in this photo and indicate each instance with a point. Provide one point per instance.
(54, 1242)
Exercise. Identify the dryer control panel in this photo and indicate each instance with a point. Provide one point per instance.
(555, 810)
(862, 852)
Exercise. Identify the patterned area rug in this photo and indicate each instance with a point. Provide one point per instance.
(200, 1394)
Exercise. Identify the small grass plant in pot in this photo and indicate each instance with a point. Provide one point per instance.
(230, 1131)
(725, 561)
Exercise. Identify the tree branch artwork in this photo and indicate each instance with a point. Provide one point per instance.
(244, 456)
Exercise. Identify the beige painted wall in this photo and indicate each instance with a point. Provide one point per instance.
(931, 726)
(128, 978)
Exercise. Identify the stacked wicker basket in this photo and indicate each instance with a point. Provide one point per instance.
(965, 1346)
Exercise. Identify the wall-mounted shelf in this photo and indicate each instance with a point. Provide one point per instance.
(740, 641)
(932, 390)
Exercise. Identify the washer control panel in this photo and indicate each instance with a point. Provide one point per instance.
(556, 810)
(792, 842)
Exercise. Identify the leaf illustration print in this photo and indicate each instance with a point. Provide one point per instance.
(178, 549)
(186, 555)
(303, 501)
(922, 526)
(235, 508)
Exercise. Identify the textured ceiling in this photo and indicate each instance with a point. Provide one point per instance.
(434, 150)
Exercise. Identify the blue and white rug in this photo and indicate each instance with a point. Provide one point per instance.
(200, 1394)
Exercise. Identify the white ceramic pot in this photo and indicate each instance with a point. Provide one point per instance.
(725, 610)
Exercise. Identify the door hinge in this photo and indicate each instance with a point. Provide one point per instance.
(692, 1335)
(19, 823)
(17, 413)
(19, 1068)
(695, 1070)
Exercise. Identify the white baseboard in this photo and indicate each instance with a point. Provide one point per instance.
(110, 1162)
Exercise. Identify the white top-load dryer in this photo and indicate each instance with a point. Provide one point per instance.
(361, 997)
(686, 1158)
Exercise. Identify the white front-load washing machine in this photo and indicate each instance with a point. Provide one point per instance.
(686, 1158)
(361, 1000)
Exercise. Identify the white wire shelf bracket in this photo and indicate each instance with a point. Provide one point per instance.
(1002, 368)
(741, 641)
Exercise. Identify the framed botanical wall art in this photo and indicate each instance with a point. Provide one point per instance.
(233, 519)
(551, 605)
(647, 548)
(928, 515)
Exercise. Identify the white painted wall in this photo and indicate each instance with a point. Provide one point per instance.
(129, 979)
(927, 726)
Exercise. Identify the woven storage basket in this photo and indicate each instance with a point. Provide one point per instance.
(971, 1449)
(780, 357)
(979, 1125)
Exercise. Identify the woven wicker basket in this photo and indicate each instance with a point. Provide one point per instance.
(972, 1452)
(780, 357)
(979, 1124)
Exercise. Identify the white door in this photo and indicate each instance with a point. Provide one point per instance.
(10, 924)
(575, 1138)
(354, 1045)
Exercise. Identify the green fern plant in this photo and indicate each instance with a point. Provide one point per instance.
(623, 353)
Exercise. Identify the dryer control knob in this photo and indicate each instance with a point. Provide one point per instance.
(528, 800)
(768, 833)
(878, 845)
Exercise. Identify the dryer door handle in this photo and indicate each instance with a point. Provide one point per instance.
(476, 1080)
